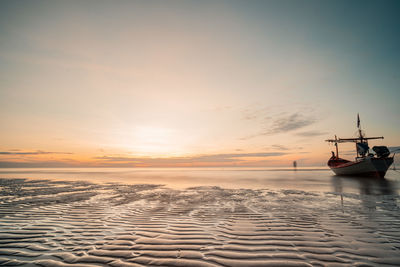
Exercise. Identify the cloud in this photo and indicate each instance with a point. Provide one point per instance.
(244, 138)
(289, 123)
(255, 113)
(283, 148)
(226, 159)
(40, 164)
(279, 147)
(282, 122)
(311, 133)
(213, 158)
(119, 159)
(394, 149)
(37, 152)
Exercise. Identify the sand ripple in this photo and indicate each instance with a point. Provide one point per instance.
(47, 223)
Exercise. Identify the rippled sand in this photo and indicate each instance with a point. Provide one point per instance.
(56, 223)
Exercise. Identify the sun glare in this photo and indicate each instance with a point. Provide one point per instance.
(153, 141)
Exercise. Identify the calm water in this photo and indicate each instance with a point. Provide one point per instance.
(306, 179)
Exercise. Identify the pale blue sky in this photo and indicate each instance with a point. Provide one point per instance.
(188, 78)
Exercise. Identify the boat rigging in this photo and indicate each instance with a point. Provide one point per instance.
(366, 163)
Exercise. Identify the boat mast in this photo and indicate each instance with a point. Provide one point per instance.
(361, 136)
(336, 145)
(360, 139)
(359, 132)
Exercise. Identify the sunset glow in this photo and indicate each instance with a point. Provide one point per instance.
(193, 83)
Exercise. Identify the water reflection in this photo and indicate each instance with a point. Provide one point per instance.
(364, 185)
(373, 192)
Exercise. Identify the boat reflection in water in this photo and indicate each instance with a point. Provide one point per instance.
(364, 185)
(372, 193)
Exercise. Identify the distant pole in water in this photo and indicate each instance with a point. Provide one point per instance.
(294, 164)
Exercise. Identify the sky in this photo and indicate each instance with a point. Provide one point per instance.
(194, 83)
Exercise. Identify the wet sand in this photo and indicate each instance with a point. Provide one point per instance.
(75, 223)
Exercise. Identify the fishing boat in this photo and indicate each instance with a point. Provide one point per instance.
(367, 162)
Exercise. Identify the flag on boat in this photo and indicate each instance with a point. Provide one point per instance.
(358, 120)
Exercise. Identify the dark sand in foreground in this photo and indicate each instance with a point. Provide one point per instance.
(57, 223)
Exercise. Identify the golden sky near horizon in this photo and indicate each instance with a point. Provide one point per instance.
(194, 83)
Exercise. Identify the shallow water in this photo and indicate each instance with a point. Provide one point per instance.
(197, 217)
(307, 179)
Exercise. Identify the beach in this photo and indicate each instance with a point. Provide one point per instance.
(199, 133)
(76, 222)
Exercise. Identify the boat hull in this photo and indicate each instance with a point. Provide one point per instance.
(364, 167)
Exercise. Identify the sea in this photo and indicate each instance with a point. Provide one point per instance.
(309, 179)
